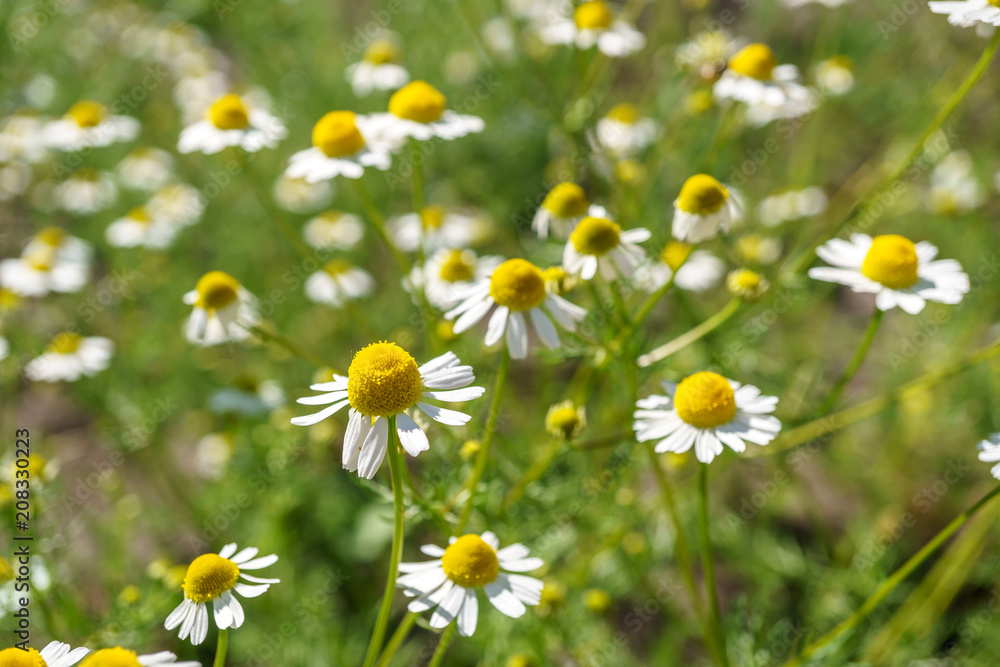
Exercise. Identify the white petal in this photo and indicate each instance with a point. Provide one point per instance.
(258, 563)
(411, 436)
(503, 598)
(517, 336)
(449, 608)
(468, 614)
(497, 325)
(374, 449)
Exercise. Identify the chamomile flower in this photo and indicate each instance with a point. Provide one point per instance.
(333, 230)
(232, 121)
(706, 411)
(600, 244)
(989, 452)
(342, 146)
(703, 208)
(436, 227)
(69, 357)
(179, 205)
(300, 196)
(419, 111)
(707, 53)
(515, 293)
(746, 284)
(623, 133)
(55, 654)
(955, 189)
(449, 584)
(899, 272)
(380, 69)
(146, 169)
(89, 124)
(213, 578)
(123, 657)
(21, 138)
(565, 420)
(139, 228)
(594, 24)
(757, 249)
(835, 75)
(382, 381)
(86, 191)
(769, 90)
(697, 270)
(338, 282)
(223, 309)
(52, 261)
(968, 13)
(563, 208)
(448, 274)
(787, 205)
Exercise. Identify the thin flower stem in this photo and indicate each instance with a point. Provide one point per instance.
(270, 210)
(708, 564)
(290, 345)
(854, 364)
(695, 334)
(397, 639)
(443, 643)
(375, 645)
(378, 224)
(221, 649)
(894, 580)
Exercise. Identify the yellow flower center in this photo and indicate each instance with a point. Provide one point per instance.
(382, 52)
(139, 214)
(216, 289)
(15, 657)
(51, 236)
(754, 60)
(112, 657)
(418, 101)
(457, 268)
(565, 420)
(517, 284)
(65, 343)
(431, 217)
(337, 267)
(593, 15)
(595, 236)
(702, 194)
(87, 113)
(209, 576)
(229, 113)
(6, 571)
(337, 134)
(383, 380)
(674, 254)
(566, 200)
(747, 284)
(470, 562)
(892, 261)
(705, 400)
(623, 113)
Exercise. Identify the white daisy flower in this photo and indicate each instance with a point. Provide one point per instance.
(338, 282)
(178, 205)
(88, 124)
(4, 348)
(69, 357)
(384, 381)
(769, 90)
(623, 134)
(561, 211)
(955, 189)
(594, 24)
(333, 230)
(55, 654)
(835, 75)
(15, 177)
(300, 196)
(435, 227)
(515, 293)
(989, 452)
(138, 228)
(232, 122)
(706, 411)
(967, 13)
(213, 578)
(697, 270)
(122, 657)
(787, 205)
(146, 169)
(448, 274)
(599, 243)
(707, 53)
(419, 111)
(223, 310)
(448, 584)
(21, 139)
(379, 69)
(702, 209)
(86, 191)
(53, 261)
(899, 272)
(343, 145)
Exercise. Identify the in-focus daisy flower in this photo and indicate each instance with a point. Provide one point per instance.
(703, 207)
(517, 290)
(53, 261)
(594, 24)
(85, 191)
(139, 228)
(697, 270)
(565, 420)
(122, 657)
(707, 53)
(223, 310)
(562, 209)
(380, 68)
(706, 411)
(600, 244)
(419, 111)
(55, 654)
(436, 227)
(769, 90)
(835, 75)
(232, 121)
(338, 282)
(382, 381)
(448, 274)
(333, 230)
(342, 146)
(213, 578)
(788, 205)
(955, 189)
(623, 133)
(968, 13)
(21, 138)
(179, 205)
(146, 169)
(989, 452)
(448, 584)
(746, 284)
(300, 196)
(69, 357)
(88, 124)
(899, 272)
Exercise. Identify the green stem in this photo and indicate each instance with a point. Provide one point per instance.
(290, 345)
(260, 192)
(375, 645)
(695, 334)
(894, 580)
(535, 470)
(708, 564)
(854, 364)
(397, 639)
(442, 647)
(220, 651)
(378, 223)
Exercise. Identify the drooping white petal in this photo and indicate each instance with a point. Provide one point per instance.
(411, 437)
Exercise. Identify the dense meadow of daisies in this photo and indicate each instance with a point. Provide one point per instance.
(514, 333)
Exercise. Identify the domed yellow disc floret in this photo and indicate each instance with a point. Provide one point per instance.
(337, 134)
(112, 657)
(383, 380)
(209, 576)
(337, 267)
(705, 400)
(65, 343)
(87, 113)
(517, 284)
(229, 113)
(216, 289)
(418, 101)
(754, 60)
(432, 217)
(702, 194)
(593, 15)
(892, 261)
(382, 52)
(674, 254)
(470, 562)
(595, 236)
(566, 200)
(15, 657)
(623, 113)
(565, 420)
(458, 267)
(51, 236)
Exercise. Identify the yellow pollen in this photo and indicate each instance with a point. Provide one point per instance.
(432, 217)
(754, 60)
(382, 52)
(593, 15)
(418, 101)
(383, 380)
(112, 657)
(595, 236)
(517, 284)
(216, 290)
(229, 113)
(566, 200)
(337, 267)
(705, 400)
(674, 254)
(337, 134)
(51, 236)
(891, 261)
(65, 343)
(702, 194)
(626, 113)
(457, 268)
(15, 657)
(209, 576)
(139, 214)
(87, 113)
(470, 562)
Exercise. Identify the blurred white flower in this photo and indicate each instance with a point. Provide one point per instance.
(599, 244)
(769, 90)
(788, 205)
(333, 230)
(448, 274)
(697, 270)
(52, 261)
(955, 189)
(344, 144)
(179, 205)
(21, 138)
(86, 191)
(232, 121)
(139, 227)
(146, 169)
(835, 75)
(435, 227)
(380, 68)
(89, 124)
(338, 282)
(703, 208)
(70, 356)
(968, 13)
(707, 53)
(623, 134)
(561, 211)
(223, 310)
(212, 454)
(419, 111)
(300, 196)
(989, 452)
(594, 24)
